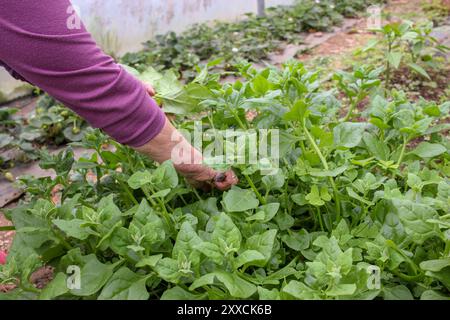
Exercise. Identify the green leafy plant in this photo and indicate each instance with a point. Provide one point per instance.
(348, 197)
(408, 44)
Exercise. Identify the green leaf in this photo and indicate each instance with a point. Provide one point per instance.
(314, 197)
(94, 275)
(261, 85)
(150, 261)
(298, 111)
(263, 243)
(239, 200)
(57, 287)
(237, 287)
(300, 291)
(429, 150)
(297, 241)
(73, 228)
(342, 290)
(125, 285)
(160, 194)
(168, 176)
(186, 240)
(226, 233)
(395, 58)
(356, 196)
(265, 294)
(211, 251)
(265, 213)
(274, 182)
(399, 292)
(435, 265)
(167, 269)
(414, 216)
(177, 293)
(348, 134)
(139, 179)
(328, 173)
(418, 69)
(433, 295)
(250, 257)
(377, 148)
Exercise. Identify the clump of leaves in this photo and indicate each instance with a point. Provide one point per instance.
(348, 198)
(408, 44)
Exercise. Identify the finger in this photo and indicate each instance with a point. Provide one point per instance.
(229, 181)
(150, 90)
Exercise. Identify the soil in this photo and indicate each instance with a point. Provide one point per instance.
(418, 87)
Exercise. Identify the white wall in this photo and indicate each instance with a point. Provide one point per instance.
(121, 26)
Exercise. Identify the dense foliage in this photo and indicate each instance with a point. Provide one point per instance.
(251, 39)
(350, 197)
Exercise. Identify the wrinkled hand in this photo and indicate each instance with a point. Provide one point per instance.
(205, 178)
(198, 175)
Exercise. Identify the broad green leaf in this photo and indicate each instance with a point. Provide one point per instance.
(300, 291)
(328, 173)
(414, 216)
(237, 287)
(348, 134)
(186, 241)
(94, 275)
(265, 294)
(261, 85)
(263, 243)
(274, 182)
(250, 257)
(167, 269)
(297, 241)
(265, 213)
(429, 150)
(150, 261)
(395, 58)
(399, 292)
(435, 265)
(178, 293)
(125, 285)
(433, 295)
(239, 200)
(139, 179)
(376, 147)
(226, 234)
(418, 69)
(211, 251)
(341, 290)
(73, 228)
(57, 287)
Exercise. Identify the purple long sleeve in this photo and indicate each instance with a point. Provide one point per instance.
(37, 44)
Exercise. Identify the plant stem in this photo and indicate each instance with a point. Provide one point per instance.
(326, 167)
(255, 190)
(236, 117)
(353, 105)
(402, 153)
(319, 216)
(128, 192)
(388, 66)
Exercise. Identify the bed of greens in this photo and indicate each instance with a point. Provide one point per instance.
(359, 208)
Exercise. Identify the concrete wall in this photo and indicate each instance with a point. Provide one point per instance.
(121, 26)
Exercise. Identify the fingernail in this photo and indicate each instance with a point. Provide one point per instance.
(221, 177)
